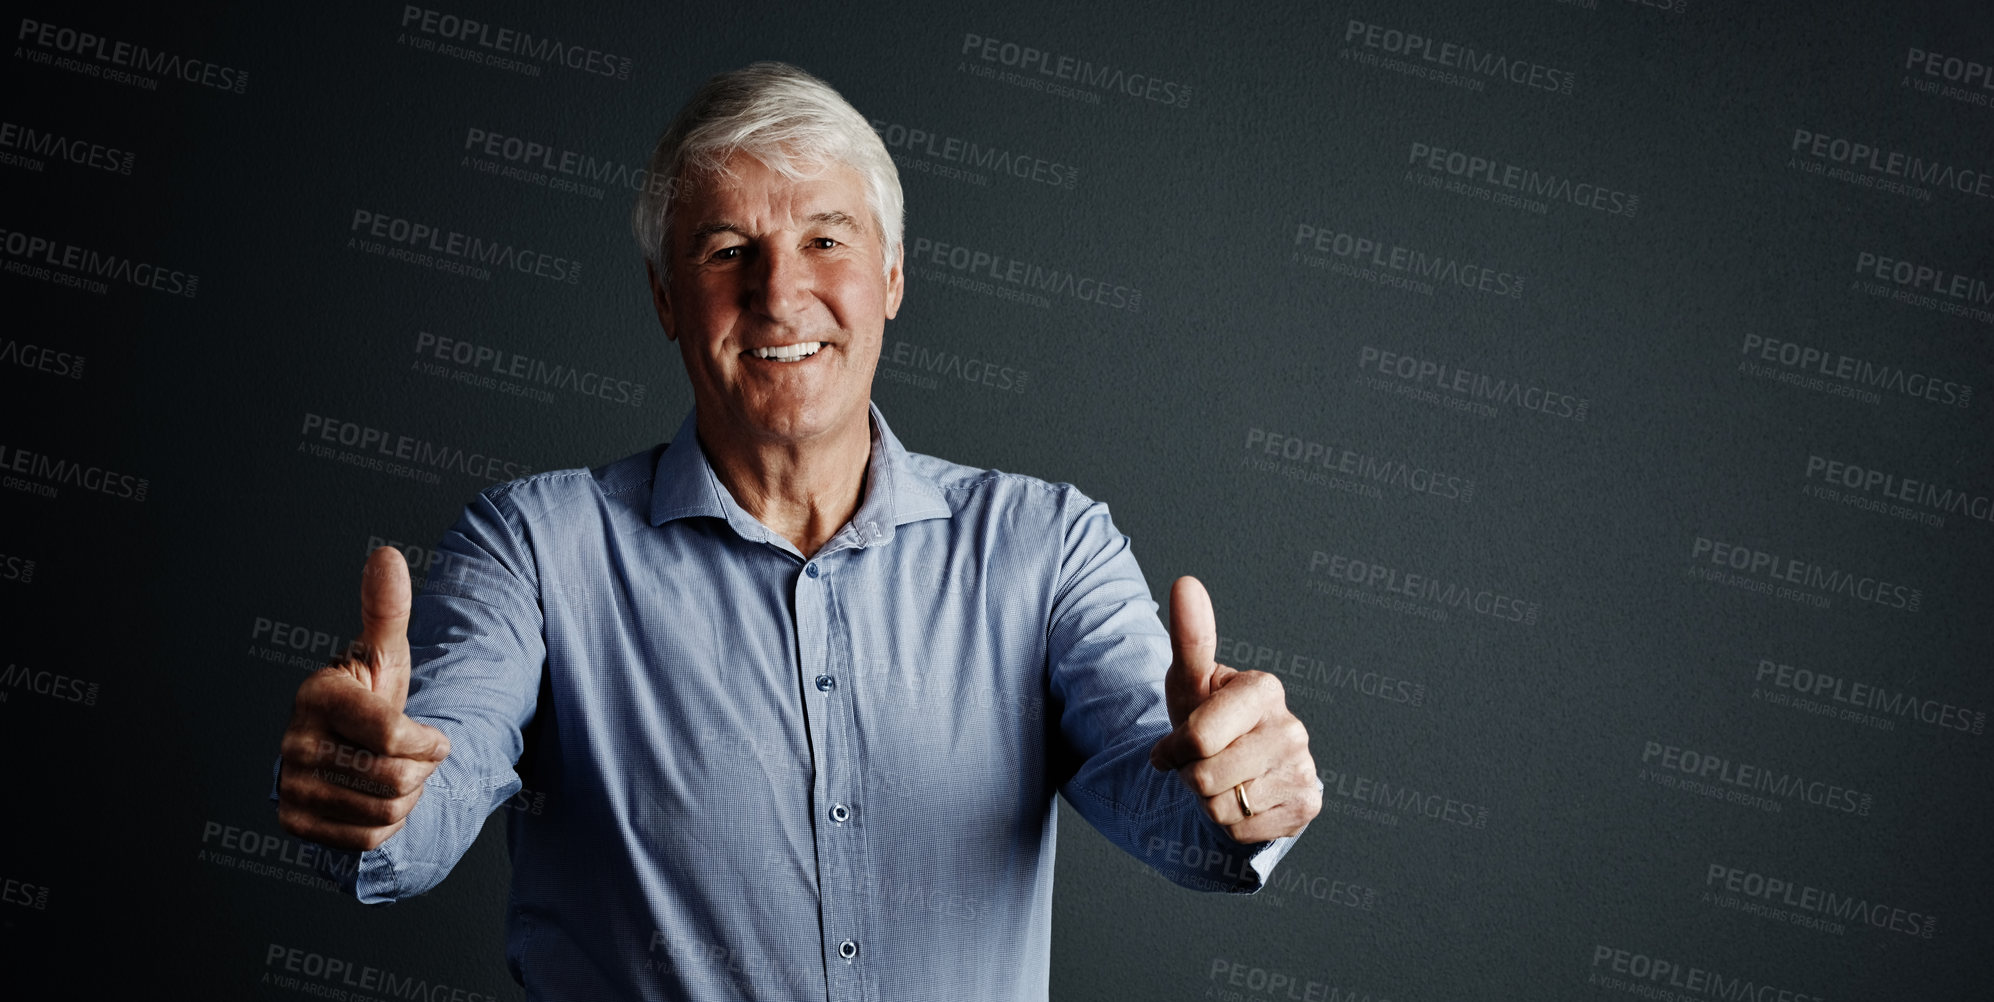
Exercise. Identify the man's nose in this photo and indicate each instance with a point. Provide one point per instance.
(783, 284)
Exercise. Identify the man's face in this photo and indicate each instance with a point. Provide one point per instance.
(757, 261)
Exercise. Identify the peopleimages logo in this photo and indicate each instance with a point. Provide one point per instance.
(110, 52)
(1969, 81)
(50, 471)
(1448, 62)
(17, 892)
(552, 167)
(1925, 278)
(401, 455)
(16, 568)
(1306, 677)
(1806, 901)
(33, 142)
(930, 152)
(319, 644)
(1265, 982)
(1316, 462)
(41, 358)
(1523, 181)
(1054, 67)
(1337, 574)
(46, 682)
(1024, 277)
(1755, 779)
(1924, 286)
(1397, 265)
(277, 857)
(919, 365)
(283, 963)
(1970, 72)
(1465, 389)
(1654, 977)
(1762, 569)
(64, 263)
(419, 243)
(1854, 377)
(501, 43)
(1883, 162)
(1374, 792)
(1858, 697)
(494, 368)
(1909, 490)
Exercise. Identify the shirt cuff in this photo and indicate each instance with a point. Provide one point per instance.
(408, 863)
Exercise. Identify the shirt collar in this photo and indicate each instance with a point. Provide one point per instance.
(685, 485)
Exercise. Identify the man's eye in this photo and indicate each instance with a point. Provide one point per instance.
(726, 253)
(823, 243)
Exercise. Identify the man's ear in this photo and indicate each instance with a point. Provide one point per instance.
(896, 280)
(661, 300)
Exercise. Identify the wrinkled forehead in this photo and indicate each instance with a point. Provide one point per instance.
(747, 191)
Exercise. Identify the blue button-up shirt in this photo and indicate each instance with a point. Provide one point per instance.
(744, 773)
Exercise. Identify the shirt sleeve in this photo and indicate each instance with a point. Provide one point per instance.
(477, 651)
(1107, 653)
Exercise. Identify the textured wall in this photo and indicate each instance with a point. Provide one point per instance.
(1583, 406)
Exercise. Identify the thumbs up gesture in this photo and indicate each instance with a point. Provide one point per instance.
(1232, 739)
(353, 762)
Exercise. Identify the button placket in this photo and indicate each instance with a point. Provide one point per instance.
(841, 869)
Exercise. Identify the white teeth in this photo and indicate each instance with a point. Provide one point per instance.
(790, 352)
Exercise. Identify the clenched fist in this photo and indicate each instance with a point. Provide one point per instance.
(1233, 740)
(354, 763)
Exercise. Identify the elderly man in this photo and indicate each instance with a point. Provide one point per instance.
(791, 702)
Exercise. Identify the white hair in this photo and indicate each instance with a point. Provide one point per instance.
(782, 116)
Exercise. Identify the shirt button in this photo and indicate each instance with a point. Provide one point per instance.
(810, 569)
(826, 683)
(840, 813)
(848, 949)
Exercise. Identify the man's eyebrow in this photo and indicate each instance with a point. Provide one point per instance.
(833, 217)
(704, 230)
(829, 217)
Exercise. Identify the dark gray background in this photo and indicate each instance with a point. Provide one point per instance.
(113, 801)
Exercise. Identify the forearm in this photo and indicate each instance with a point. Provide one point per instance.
(1159, 820)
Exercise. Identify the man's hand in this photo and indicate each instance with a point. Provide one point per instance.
(1232, 727)
(354, 763)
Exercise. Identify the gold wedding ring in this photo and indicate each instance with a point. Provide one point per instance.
(1239, 790)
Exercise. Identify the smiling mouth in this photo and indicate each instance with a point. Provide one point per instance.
(787, 352)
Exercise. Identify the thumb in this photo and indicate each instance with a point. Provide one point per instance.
(381, 650)
(1193, 646)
